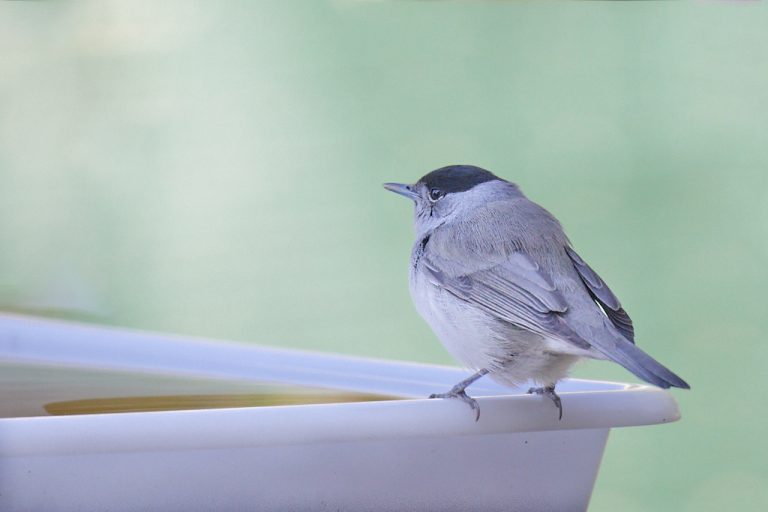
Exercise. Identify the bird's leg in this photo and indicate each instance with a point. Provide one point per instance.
(549, 392)
(457, 391)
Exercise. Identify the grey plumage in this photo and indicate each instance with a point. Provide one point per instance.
(499, 282)
(603, 295)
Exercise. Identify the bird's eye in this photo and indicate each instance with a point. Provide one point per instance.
(435, 194)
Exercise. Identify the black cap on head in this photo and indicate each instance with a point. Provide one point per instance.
(456, 178)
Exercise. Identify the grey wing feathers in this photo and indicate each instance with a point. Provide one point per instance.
(623, 351)
(603, 295)
(516, 291)
(519, 292)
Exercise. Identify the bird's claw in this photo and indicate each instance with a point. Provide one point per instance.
(549, 392)
(463, 396)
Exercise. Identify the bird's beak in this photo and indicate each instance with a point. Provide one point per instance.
(403, 190)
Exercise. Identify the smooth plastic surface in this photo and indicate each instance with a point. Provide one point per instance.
(384, 455)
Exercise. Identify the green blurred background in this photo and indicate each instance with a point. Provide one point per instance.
(214, 169)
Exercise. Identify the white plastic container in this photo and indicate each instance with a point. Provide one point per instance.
(404, 454)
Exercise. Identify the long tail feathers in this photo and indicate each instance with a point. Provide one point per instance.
(644, 366)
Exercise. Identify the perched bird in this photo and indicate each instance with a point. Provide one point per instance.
(499, 283)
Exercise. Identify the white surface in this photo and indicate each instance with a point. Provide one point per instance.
(395, 455)
(539, 471)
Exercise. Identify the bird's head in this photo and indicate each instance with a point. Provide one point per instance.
(449, 191)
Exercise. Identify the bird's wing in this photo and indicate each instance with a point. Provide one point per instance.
(516, 290)
(603, 295)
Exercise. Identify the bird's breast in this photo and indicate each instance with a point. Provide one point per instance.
(470, 335)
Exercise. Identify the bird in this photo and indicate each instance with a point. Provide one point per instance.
(498, 281)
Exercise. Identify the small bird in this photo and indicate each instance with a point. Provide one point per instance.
(498, 281)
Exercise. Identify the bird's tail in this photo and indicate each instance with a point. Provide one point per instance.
(644, 366)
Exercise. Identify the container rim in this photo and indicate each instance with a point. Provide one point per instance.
(587, 404)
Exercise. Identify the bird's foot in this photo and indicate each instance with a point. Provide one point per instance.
(461, 395)
(549, 392)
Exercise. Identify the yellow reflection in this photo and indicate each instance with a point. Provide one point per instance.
(189, 402)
